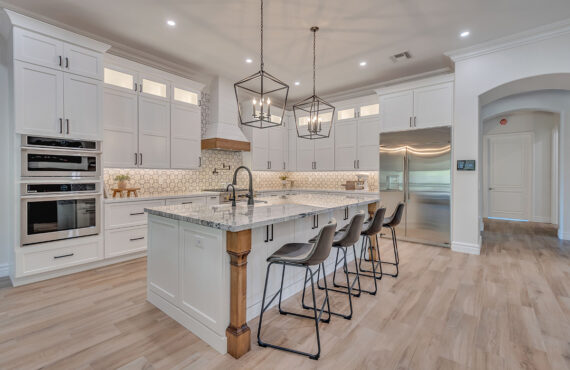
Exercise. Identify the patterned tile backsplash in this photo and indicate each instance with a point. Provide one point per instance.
(161, 182)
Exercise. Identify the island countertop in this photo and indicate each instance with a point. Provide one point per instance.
(266, 211)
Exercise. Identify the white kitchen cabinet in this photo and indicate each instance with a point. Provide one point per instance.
(38, 99)
(346, 144)
(82, 61)
(324, 153)
(368, 148)
(292, 149)
(267, 150)
(397, 111)
(433, 106)
(154, 133)
(185, 144)
(156, 114)
(418, 104)
(188, 200)
(82, 107)
(120, 124)
(305, 154)
(38, 49)
(119, 242)
(260, 149)
(275, 148)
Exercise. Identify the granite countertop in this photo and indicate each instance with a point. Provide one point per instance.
(267, 210)
(206, 193)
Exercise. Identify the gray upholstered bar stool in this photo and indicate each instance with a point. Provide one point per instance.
(302, 255)
(343, 240)
(371, 228)
(391, 223)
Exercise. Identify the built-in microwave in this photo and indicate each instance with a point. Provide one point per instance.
(63, 210)
(45, 157)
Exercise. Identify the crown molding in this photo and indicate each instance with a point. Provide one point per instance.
(519, 39)
(414, 82)
(120, 49)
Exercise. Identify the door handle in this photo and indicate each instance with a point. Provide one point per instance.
(136, 86)
(415, 119)
(61, 125)
(60, 61)
(135, 239)
(64, 255)
(200, 161)
(140, 162)
(67, 124)
(358, 163)
(491, 188)
(136, 159)
(66, 62)
(410, 121)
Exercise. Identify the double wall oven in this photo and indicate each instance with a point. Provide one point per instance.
(60, 191)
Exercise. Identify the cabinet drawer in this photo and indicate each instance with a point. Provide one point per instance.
(128, 213)
(76, 253)
(189, 200)
(124, 241)
(212, 200)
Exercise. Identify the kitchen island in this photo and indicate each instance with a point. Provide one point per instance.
(207, 264)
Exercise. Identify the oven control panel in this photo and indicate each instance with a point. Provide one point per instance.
(90, 187)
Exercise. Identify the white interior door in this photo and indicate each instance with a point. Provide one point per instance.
(509, 180)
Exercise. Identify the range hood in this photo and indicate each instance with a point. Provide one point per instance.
(222, 130)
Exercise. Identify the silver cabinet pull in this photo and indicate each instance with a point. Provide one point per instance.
(67, 122)
(63, 256)
(66, 62)
(136, 159)
(61, 125)
(135, 239)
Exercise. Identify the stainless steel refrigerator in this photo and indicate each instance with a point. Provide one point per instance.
(415, 168)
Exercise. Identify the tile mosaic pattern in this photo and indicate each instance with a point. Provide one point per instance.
(330, 180)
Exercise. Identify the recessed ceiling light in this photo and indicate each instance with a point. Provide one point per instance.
(362, 64)
(171, 23)
(248, 60)
(464, 33)
(297, 83)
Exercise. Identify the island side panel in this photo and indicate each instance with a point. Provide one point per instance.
(238, 246)
(372, 207)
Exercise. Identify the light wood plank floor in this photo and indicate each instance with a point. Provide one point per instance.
(508, 308)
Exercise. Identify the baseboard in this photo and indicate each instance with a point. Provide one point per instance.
(4, 270)
(466, 248)
(541, 219)
(563, 236)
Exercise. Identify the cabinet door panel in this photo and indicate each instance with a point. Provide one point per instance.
(82, 107)
(324, 153)
(163, 266)
(185, 136)
(433, 106)
(260, 152)
(396, 110)
(37, 49)
(120, 124)
(154, 132)
(275, 148)
(38, 99)
(305, 154)
(292, 150)
(345, 145)
(368, 144)
(82, 61)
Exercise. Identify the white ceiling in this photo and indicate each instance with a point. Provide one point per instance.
(216, 36)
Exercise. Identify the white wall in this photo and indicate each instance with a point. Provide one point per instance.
(542, 125)
(476, 75)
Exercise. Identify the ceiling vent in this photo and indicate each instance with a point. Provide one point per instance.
(405, 55)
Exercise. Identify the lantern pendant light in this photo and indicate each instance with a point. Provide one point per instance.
(261, 97)
(313, 116)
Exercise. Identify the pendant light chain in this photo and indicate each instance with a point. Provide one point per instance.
(314, 60)
(261, 48)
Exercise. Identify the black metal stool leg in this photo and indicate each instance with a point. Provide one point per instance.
(359, 268)
(396, 262)
(346, 272)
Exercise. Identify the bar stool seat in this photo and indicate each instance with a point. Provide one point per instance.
(292, 252)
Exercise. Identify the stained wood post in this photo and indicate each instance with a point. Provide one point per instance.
(238, 246)
(372, 207)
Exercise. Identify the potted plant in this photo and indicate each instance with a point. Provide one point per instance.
(122, 181)
(283, 179)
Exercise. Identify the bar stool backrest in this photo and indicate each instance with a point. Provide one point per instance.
(323, 244)
(352, 233)
(396, 216)
(375, 225)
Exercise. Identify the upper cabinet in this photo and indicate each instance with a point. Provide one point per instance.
(269, 146)
(57, 81)
(151, 119)
(421, 104)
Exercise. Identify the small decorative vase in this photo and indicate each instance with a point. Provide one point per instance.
(122, 185)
